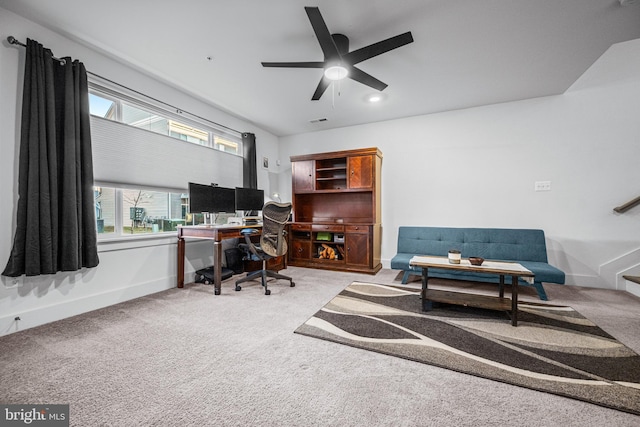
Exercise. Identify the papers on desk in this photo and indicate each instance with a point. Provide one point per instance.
(234, 220)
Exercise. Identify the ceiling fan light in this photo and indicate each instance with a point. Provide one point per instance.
(336, 72)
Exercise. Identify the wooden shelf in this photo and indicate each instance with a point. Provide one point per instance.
(340, 168)
(469, 300)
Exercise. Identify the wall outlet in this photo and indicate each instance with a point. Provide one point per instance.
(542, 186)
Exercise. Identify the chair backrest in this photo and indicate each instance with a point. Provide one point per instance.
(274, 217)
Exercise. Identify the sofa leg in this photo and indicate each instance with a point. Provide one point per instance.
(405, 276)
(541, 293)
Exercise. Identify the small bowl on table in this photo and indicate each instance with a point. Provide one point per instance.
(476, 260)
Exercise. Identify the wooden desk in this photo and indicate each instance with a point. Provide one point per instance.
(217, 233)
(512, 269)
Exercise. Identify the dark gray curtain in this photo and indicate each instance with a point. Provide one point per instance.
(56, 210)
(249, 172)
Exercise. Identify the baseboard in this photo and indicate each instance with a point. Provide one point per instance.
(633, 288)
(613, 270)
(47, 314)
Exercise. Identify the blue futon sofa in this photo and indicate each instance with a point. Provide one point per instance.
(526, 247)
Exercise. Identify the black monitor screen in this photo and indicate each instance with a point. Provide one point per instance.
(249, 199)
(224, 199)
(200, 198)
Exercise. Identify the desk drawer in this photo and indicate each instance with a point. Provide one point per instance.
(328, 228)
(300, 227)
(363, 229)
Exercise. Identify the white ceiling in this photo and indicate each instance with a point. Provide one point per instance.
(466, 53)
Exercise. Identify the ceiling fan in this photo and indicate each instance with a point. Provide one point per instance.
(338, 61)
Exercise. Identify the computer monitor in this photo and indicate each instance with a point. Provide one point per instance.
(223, 200)
(249, 199)
(200, 198)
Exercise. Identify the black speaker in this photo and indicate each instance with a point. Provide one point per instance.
(234, 260)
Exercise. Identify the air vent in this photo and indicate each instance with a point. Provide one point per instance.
(318, 120)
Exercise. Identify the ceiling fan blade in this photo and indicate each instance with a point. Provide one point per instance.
(379, 48)
(322, 87)
(294, 64)
(366, 79)
(323, 35)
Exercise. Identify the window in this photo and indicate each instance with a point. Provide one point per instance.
(145, 114)
(105, 200)
(102, 107)
(144, 156)
(122, 212)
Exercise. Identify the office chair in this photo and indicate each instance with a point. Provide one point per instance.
(273, 243)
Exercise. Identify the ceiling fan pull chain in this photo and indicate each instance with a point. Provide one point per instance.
(333, 95)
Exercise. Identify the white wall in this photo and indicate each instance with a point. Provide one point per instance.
(477, 168)
(472, 167)
(124, 272)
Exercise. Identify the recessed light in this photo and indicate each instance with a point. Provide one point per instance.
(375, 97)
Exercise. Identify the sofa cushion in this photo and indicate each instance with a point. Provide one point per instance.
(543, 272)
(488, 243)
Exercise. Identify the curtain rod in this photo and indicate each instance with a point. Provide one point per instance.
(13, 40)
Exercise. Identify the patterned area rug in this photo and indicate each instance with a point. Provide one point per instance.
(553, 348)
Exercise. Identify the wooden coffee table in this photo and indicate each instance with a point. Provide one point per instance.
(502, 269)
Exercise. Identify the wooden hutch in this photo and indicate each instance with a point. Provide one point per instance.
(336, 206)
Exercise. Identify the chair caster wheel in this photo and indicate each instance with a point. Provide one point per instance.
(238, 288)
(293, 284)
(267, 292)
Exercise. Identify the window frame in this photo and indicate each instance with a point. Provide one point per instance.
(120, 96)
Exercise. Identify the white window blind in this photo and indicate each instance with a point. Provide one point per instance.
(124, 154)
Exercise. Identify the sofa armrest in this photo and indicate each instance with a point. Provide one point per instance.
(544, 272)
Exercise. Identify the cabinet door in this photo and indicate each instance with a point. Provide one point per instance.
(302, 175)
(360, 172)
(357, 249)
(300, 250)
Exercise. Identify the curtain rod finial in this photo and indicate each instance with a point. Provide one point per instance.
(13, 40)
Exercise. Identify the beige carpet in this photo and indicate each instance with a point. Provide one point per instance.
(553, 348)
(184, 357)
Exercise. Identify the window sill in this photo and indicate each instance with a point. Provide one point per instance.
(117, 243)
